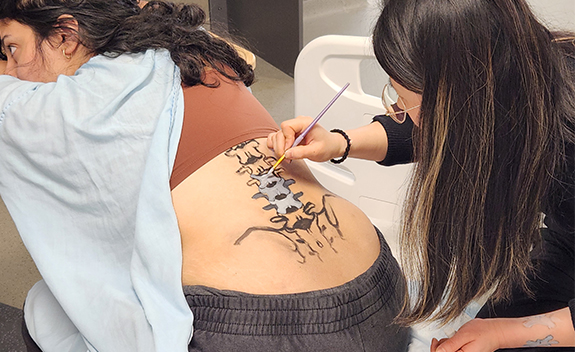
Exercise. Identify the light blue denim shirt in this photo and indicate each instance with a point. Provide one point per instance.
(84, 170)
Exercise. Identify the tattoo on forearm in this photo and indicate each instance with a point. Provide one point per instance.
(544, 319)
(306, 228)
(547, 342)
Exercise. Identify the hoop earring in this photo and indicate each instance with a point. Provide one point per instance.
(66, 56)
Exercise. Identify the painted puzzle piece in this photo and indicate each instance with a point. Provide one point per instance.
(276, 190)
(539, 320)
(548, 341)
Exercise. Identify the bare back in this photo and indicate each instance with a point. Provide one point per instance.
(268, 235)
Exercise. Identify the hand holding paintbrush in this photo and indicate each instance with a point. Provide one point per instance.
(310, 126)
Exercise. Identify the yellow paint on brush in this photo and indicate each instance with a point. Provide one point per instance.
(276, 164)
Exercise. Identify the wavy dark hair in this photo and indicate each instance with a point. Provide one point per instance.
(114, 27)
(497, 112)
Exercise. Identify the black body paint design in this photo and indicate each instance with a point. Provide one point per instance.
(306, 229)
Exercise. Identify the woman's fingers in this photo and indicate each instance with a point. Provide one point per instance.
(449, 345)
(293, 128)
(310, 151)
(276, 142)
(434, 344)
(270, 142)
(477, 335)
(318, 144)
(283, 139)
(462, 343)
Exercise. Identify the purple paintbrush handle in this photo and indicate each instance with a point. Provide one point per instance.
(308, 128)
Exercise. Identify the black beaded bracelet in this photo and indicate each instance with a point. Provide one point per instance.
(347, 148)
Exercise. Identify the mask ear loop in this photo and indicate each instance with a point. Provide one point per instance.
(399, 112)
(564, 39)
(393, 114)
(389, 106)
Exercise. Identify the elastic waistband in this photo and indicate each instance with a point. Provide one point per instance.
(316, 312)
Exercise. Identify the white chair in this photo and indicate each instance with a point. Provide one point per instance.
(324, 66)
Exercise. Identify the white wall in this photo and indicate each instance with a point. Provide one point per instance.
(347, 17)
(357, 17)
(556, 14)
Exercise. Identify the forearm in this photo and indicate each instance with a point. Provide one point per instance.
(554, 329)
(368, 142)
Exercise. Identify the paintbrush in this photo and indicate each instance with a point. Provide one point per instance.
(308, 128)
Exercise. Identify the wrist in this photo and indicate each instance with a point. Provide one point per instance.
(511, 333)
(502, 336)
(341, 144)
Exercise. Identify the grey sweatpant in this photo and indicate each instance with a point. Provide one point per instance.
(356, 316)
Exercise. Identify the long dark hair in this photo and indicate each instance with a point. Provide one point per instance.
(498, 109)
(114, 27)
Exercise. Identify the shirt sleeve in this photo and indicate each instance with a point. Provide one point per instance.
(399, 138)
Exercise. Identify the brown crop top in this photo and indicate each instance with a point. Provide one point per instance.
(216, 119)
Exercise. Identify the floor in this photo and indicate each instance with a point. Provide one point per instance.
(10, 329)
(17, 271)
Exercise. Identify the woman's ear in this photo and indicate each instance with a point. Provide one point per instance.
(66, 37)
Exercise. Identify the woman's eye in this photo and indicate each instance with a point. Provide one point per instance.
(12, 49)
